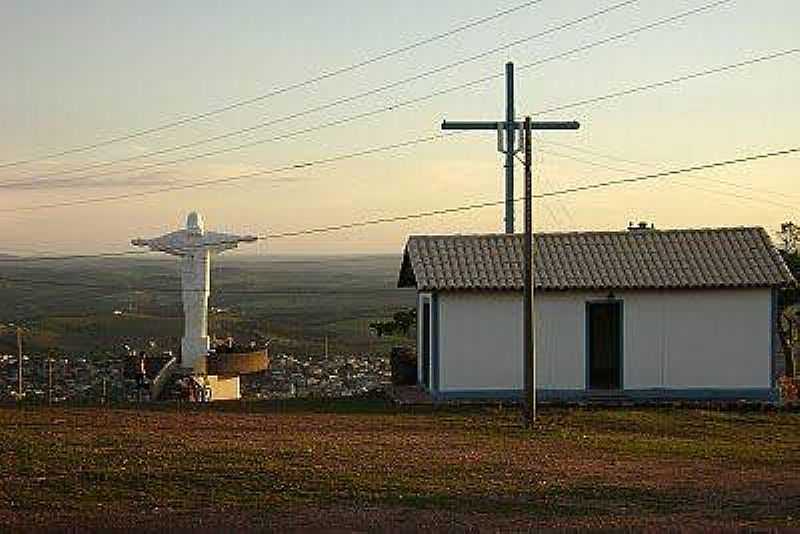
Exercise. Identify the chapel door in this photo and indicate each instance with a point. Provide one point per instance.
(604, 340)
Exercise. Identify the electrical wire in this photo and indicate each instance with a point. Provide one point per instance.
(731, 194)
(481, 205)
(117, 288)
(281, 90)
(384, 148)
(328, 105)
(685, 184)
(671, 81)
(664, 174)
(25, 259)
(356, 117)
(229, 179)
(560, 192)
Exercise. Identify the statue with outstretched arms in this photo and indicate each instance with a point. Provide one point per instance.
(194, 245)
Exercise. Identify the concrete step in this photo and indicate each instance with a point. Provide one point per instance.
(610, 397)
(406, 395)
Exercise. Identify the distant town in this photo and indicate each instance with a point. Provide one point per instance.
(75, 379)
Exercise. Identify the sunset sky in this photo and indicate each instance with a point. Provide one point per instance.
(77, 73)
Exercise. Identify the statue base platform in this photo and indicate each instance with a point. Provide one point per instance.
(224, 388)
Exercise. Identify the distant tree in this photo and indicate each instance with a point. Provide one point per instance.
(401, 324)
(382, 328)
(789, 236)
(405, 320)
(789, 334)
(788, 306)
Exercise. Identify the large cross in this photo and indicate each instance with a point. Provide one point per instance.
(509, 127)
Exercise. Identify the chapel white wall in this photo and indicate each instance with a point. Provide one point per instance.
(480, 340)
(672, 339)
(705, 339)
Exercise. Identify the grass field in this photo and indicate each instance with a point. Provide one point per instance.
(359, 465)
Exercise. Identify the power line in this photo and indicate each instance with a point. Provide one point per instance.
(28, 259)
(25, 259)
(665, 174)
(560, 192)
(334, 103)
(696, 177)
(382, 220)
(272, 259)
(540, 170)
(593, 152)
(384, 148)
(548, 194)
(281, 90)
(377, 111)
(228, 179)
(458, 209)
(749, 188)
(117, 288)
(733, 195)
(671, 81)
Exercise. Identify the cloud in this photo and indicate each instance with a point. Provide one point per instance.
(128, 177)
(71, 182)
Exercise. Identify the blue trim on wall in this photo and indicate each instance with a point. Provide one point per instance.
(621, 343)
(435, 342)
(420, 329)
(422, 298)
(487, 394)
(586, 346)
(577, 395)
(729, 394)
(773, 331)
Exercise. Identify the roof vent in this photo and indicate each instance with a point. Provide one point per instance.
(642, 226)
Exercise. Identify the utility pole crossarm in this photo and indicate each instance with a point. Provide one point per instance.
(466, 125)
(494, 126)
(554, 125)
(507, 130)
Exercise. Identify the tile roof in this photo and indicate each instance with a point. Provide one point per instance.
(637, 259)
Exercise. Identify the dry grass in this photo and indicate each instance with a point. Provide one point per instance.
(348, 466)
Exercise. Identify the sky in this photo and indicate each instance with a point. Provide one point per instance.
(80, 72)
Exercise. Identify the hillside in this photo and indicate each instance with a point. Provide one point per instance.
(69, 306)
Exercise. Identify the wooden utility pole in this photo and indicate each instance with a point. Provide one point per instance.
(529, 404)
(50, 380)
(20, 390)
(528, 312)
(506, 133)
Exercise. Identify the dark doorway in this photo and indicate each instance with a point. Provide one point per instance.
(426, 343)
(604, 323)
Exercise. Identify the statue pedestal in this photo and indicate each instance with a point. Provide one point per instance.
(224, 388)
(193, 350)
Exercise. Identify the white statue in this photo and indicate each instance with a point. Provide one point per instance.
(194, 246)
